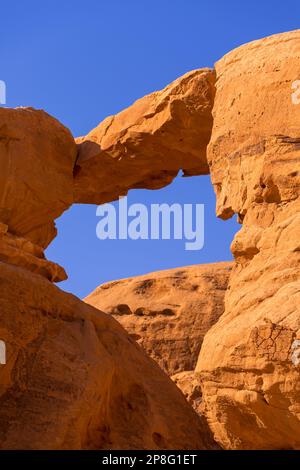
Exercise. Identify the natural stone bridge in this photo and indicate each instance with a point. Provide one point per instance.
(74, 378)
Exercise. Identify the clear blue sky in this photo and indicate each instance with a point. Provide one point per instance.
(84, 60)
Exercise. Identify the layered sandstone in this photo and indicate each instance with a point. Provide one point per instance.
(21, 252)
(168, 312)
(37, 157)
(146, 145)
(247, 364)
(74, 379)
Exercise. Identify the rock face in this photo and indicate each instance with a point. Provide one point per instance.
(254, 150)
(168, 312)
(248, 362)
(21, 252)
(75, 380)
(146, 145)
(189, 384)
(37, 157)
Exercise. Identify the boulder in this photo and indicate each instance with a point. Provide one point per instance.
(37, 157)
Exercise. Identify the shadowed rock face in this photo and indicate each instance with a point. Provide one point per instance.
(168, 312)
(75, 380)
(146, 145)
(250, 383)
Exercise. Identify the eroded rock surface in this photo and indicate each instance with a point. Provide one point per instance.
(146, 145)
(254, 150)
(188, 382)
(168, 312)
(75, 380)
(37, 156)
(250, 379)
(21, 252)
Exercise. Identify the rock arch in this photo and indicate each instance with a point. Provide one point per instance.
(253, 158)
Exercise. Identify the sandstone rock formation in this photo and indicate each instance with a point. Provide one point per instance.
(190, 385)
(146, 145)
(37, 157)
(75, 380)
(250, 381)
(168, 312)
(21, 252)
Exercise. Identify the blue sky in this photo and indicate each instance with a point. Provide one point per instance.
(84, 60)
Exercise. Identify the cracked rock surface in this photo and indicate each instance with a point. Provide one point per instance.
(250, 383)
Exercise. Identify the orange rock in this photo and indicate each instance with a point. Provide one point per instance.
(254, 150)
(146, 145)
(37, 156)
(189, 384)
(250, 378)
(75, 380)
(168, 312)
(21, 252)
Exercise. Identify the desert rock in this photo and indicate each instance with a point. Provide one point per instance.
(254, 150)
(147, 144)
(168, 312)
(37, 157)
(250, 378)
(190, 385)
(21, 252)
(74, 379)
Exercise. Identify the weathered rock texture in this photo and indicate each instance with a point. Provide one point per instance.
(188, 382)
(74, 379)
(37, 156)
(21, 252)
(168, 312)
(250, 383)
(146, 145)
